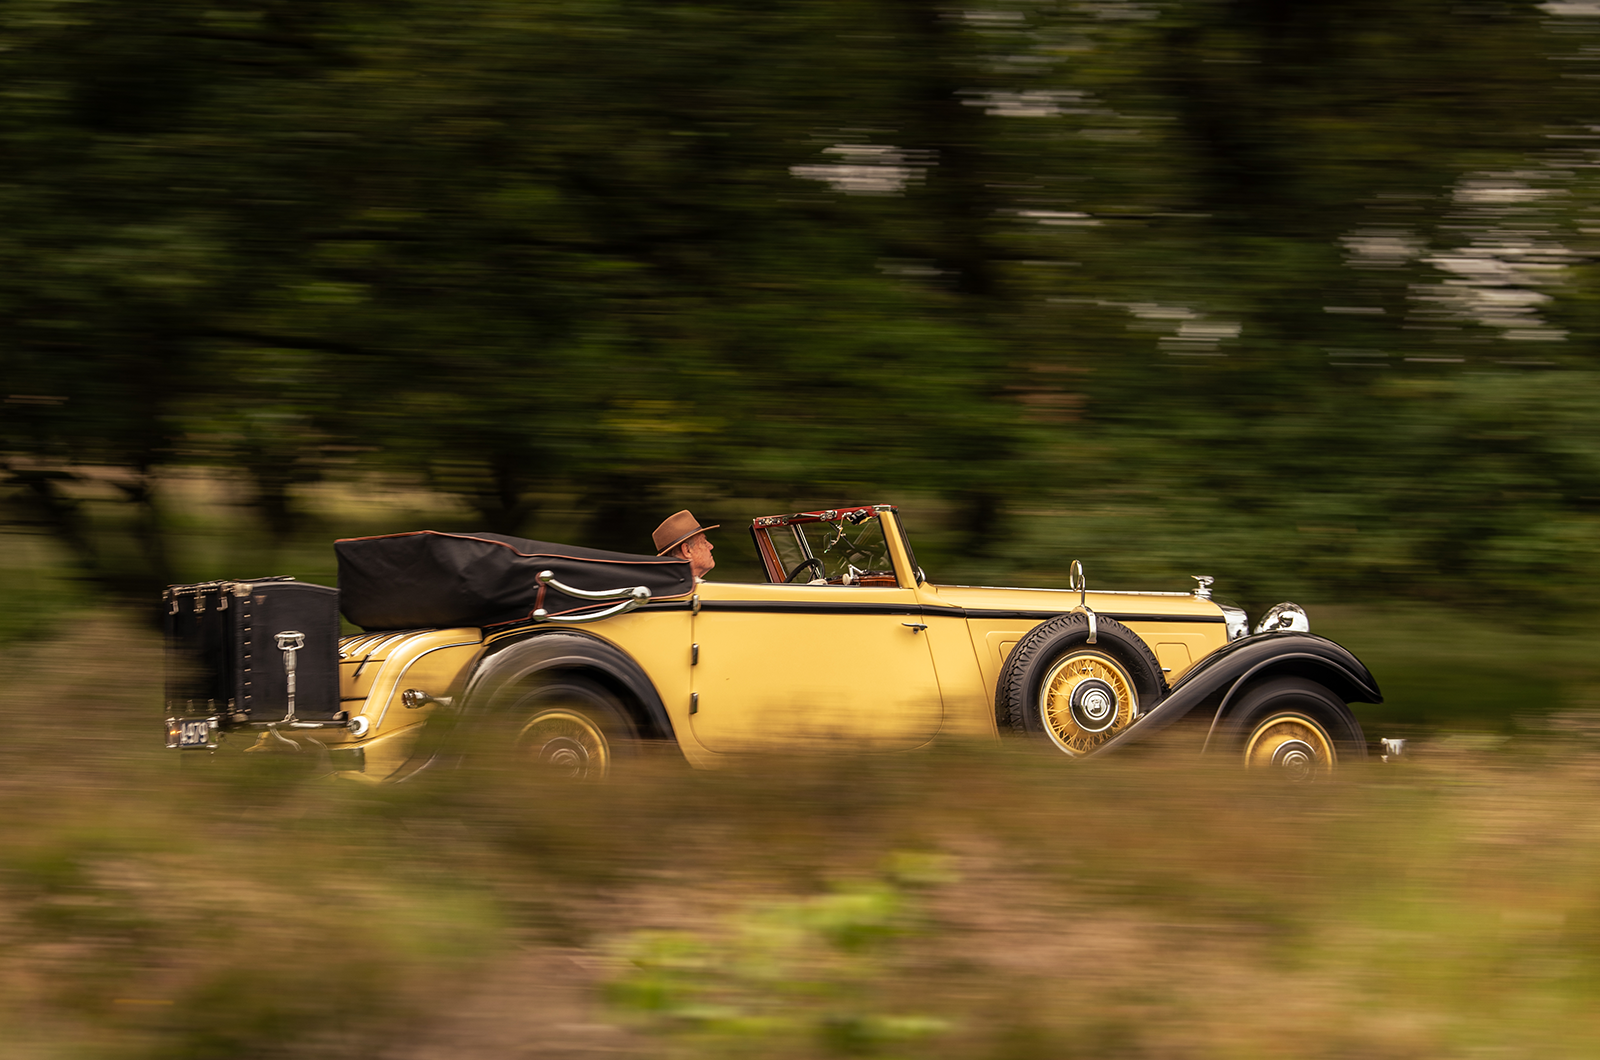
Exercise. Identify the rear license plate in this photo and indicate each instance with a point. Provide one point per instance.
(191, 732)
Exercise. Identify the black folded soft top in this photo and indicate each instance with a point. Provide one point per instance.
(430, 579)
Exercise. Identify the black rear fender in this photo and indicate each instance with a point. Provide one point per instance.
(523, 660)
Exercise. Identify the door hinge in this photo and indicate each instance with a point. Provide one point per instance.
(694, 655)
(694, 702)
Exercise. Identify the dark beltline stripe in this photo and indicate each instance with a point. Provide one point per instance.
(1120, 616)
(807, 607)
(832, 607)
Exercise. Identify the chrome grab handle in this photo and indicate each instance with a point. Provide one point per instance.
(548, 577)
(627, 605)
(630, 598)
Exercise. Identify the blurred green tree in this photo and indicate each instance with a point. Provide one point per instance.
(1016, 255)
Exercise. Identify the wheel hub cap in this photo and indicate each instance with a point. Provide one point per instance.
(565, 745)
(564, 756)
(1296, 758)
(1094, 705)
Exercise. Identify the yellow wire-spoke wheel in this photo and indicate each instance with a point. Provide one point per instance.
(1293, 745)
(565, 744)
(1085, 699)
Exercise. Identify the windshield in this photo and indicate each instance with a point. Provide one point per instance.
(840, 551)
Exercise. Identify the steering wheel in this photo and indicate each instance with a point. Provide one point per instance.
(809, 561)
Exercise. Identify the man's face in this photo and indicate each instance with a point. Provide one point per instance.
(697, 550)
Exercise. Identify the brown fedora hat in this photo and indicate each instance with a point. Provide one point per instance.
(676, 529)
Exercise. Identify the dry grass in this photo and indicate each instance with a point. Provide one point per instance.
(966, 903)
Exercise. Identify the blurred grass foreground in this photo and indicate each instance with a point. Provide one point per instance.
(959, 903)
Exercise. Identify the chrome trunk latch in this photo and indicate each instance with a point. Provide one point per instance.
(290, 642)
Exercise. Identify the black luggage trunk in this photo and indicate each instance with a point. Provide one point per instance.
(226, 657)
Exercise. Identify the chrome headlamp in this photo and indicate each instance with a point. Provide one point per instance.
(1282, 616)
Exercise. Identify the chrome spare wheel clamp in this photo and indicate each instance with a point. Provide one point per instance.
(1080, 585)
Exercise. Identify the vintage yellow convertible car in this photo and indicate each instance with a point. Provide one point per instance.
(582, 659)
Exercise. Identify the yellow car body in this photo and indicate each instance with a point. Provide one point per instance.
(829, 657)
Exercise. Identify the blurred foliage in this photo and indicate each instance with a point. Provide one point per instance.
(803, 971)
(1293, 293)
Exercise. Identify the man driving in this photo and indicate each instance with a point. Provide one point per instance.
(682, 536)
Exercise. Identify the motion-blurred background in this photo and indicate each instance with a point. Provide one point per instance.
(1300, 295)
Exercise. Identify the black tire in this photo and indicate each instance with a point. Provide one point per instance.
(1295, 726)
(1114, 679)
(566, 727)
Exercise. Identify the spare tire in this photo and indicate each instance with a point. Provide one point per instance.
(1056, 686)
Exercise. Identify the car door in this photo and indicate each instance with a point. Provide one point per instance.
(811, 669)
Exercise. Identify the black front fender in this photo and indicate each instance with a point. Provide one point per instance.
(512, 661)
(1230, 668)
